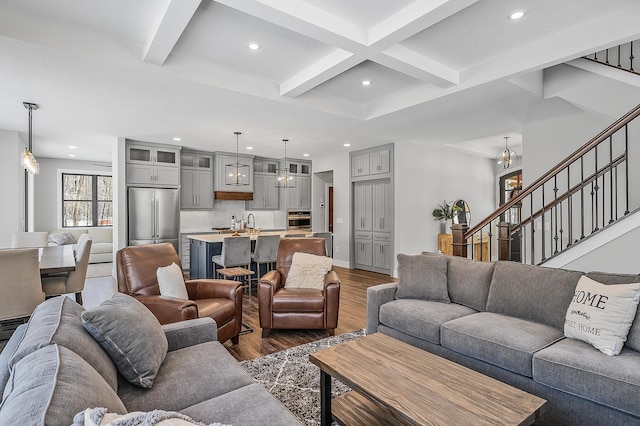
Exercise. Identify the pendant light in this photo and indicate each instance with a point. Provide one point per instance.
(236, 174)
(507, 157)
(28, 161)
(284, 177)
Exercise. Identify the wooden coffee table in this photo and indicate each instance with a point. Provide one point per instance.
(396, 383)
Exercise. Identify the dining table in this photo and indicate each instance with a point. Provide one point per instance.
(57, 259)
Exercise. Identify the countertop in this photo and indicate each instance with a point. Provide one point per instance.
(218, 238)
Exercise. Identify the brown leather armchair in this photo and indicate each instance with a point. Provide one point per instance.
(299, 308)
(218, 299)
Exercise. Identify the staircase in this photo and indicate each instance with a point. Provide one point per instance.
(583, 196)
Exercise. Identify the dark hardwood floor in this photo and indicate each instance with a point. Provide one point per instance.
(352, 316)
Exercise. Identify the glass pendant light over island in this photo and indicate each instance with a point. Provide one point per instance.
(284, 178)
(236, 174)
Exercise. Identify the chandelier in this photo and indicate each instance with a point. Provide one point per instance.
(28, 161)
(507, 157)
(236, 174)
(284, 177)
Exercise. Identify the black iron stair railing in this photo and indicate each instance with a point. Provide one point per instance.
(620, 57)
(589, 190)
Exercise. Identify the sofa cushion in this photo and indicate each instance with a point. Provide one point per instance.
(187, 376)
(49, 386)
(500, 340)
(101, 234)
(420, 318)
(239, 407)
(6, 353)
(468, 281)
(602, 314)
(57, 321)
(577, 368)
(422, 277)
(131, 335)
(99, 248)
(633, 338)
(531, 292)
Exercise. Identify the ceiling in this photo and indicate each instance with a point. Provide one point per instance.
(454, 73)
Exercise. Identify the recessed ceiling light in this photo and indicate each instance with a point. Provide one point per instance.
(249, 147)
(347, 144)
(72, 147)
(177, 139)
(366, 82)
(518, 14)
(305, 155)
(254, 46)
(72, 155)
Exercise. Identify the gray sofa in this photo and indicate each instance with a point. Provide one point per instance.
(506, 320)
(52, 369)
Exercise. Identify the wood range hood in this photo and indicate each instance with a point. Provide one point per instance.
(230, 195)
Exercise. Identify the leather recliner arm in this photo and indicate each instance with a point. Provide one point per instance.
(213, 289)
(332, 299)
(267, 286)
(169, 309)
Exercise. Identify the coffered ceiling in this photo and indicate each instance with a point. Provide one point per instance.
(442, 72)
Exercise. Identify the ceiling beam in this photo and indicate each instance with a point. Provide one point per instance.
(169, 26)
(418, 66)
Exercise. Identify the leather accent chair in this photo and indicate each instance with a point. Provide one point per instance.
(297, 308)
(218, 299)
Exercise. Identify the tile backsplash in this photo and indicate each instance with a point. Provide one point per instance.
(220, 217)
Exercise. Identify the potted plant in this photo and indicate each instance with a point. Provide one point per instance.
(444, 213)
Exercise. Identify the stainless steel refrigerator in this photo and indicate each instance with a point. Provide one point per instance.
(154, 216)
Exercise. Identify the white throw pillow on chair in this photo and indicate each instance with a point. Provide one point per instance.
(171, 282)
(308, 271)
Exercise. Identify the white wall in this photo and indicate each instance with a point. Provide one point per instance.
(12, 176)
(425, 177)
(47, 212)
(339, 164)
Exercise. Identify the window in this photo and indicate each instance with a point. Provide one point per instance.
(86, 200)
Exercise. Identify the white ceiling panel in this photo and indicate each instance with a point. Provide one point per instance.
(220, 35)
(363, 13)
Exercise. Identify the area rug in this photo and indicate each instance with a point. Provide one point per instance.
(291, 378)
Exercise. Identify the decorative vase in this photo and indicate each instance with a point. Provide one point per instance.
(445, 226)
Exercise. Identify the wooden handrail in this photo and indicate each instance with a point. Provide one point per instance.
(609, 131)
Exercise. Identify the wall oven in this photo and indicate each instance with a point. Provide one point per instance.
(299, 220)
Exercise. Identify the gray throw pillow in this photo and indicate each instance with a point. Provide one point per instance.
(131, 335)
(62, 239)
(422, 277)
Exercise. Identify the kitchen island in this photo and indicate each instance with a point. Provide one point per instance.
(204, 246)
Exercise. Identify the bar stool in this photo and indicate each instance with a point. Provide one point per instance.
(234, 259)
(328, 239)
(265, 252)
(294, 235)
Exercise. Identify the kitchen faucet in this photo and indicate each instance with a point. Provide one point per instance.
(249, 216)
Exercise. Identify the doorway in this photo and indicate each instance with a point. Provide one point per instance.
(509, 187)
(330, 202)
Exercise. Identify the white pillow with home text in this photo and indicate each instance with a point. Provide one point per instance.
(601, 315)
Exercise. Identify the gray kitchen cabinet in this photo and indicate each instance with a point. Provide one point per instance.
(265, 192)
(382, 254)
(360, 164)
(380, 161)
(363, 252)
(196, 161)
(152, 165)
(382, 202)
(299, 197)
(196, 191)
(363, 206)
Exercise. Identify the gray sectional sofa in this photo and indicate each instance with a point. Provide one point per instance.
(52, 368)
(506, 320)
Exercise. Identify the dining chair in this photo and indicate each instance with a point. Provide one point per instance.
(72, 282)
(328, 239)
(20, 288)
(29, 239)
